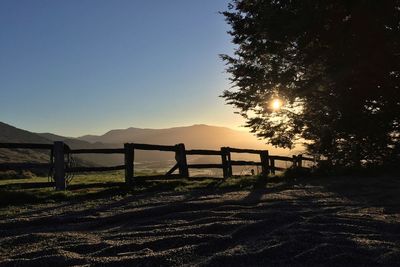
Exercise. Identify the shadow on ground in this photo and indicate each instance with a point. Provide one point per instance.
(295, 222)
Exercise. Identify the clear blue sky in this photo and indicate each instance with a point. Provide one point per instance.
(75, 67)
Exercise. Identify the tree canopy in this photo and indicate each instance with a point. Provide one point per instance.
(334, 64)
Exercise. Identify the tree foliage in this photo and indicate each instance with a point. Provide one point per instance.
(334, 63)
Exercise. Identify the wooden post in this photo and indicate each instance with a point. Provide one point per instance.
(294, 161)
(224, 158)
(300, 161)
(264, 163)
(129, 166)
(272, 166)
(180, 156)
(228, 162)
(59, 166)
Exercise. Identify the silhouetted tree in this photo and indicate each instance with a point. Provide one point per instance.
(335, 64)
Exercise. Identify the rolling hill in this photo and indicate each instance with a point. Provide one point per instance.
(11, 134)
(195, 136)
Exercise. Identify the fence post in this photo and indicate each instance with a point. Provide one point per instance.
(180, 156)
(59, 166)
(224, 158)
(264, 163)
(294, 161)
(129, 166)
(300, 161)
(272, 166)
(228, 162)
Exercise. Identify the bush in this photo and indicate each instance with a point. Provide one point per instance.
(295, 172)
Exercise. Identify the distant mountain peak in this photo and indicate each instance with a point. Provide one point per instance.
(200, 136)
(197, 135)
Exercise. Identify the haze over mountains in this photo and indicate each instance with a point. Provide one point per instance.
(11, 134)
(195, 136)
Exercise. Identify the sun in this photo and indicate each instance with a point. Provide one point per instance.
(276, 104)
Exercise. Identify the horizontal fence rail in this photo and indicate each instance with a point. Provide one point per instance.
(97, 151)
(283, 158)
(60, 151)
(203, 152)
(240, 150)
(155, 147)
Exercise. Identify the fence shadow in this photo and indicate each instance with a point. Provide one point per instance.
(283, 223)
(33, 185)
(372, 191)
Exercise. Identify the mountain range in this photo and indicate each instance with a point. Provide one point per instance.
(196, 136)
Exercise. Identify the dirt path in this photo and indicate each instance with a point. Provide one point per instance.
(281, 225)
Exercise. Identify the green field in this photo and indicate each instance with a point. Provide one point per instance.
(33, 190)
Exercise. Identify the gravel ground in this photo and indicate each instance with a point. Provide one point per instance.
(282, 225)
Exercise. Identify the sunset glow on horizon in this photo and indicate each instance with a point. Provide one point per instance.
(100, 65)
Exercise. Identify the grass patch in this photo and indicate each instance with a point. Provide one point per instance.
(95, 185)
(376, 191)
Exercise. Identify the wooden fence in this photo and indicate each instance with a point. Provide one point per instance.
(60, 151)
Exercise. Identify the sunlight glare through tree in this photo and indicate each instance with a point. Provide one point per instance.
(276, 104)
